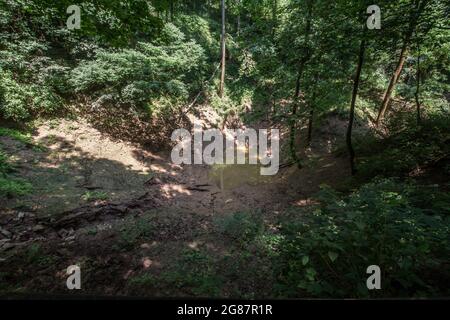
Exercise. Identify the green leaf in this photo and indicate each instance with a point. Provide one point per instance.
(332, 255)
(310, 274)
(305, 260)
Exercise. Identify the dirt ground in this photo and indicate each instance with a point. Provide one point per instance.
(134, 222)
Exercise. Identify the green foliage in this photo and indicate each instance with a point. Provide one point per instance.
(36, 255)
(37, 51)
(141, 77)
(408, 148)
(10, 186)
(240, 227)
(199, 29)
(94, 195)
(134, 64)
(25, 138)
(143, 280)
(134, 229)
(383, 223)
(195, 270)
(30, 81)
(13, 187)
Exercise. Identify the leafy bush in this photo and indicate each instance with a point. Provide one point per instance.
(199, 29)
(36, 50)
(31, 83)
(140, 77)
(133, 229)
(195, 271)
(384, 224)
(241, 227)
(407, 148)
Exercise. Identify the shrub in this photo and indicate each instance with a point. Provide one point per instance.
(241, 227)
(9, 186)
(142, 76)
(380, 224)
(134, 229)
(407, 148)
(195, 272)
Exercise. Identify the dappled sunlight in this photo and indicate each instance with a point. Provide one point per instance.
(158, 168)
(304, 202)
(172, 190)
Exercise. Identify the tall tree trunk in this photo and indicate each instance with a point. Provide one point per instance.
(293, 119)
(171, 10)
(416, 94)
(310, 124)
(351, 152)
(238, 27)
(311, 111)
(414, 18)
(274, 16)
(222, 75)
(392, 83)
(302, 63)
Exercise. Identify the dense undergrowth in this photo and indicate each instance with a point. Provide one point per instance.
(398, 225)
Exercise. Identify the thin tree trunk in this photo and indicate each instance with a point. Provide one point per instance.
(297, 88)
(392, 83)
(310, 124)
(311, 112)
(222, 75)
(238, 27)
(420, 6)
(274, 16)
(293, 121)
(416, 94)
(351, 151)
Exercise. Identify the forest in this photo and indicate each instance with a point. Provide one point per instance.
(355, 95)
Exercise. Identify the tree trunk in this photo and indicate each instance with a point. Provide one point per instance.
(297, 89)
(392, 83)
(416, 94)
(238, 27)
(293, 121)
(311, 112)
(274, 16)
(171, 10)
(310, 124)
(351, 152)
(222, 75)
(414, 18)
